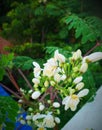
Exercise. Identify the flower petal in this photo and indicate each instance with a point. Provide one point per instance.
(93, 57)
(83, 92)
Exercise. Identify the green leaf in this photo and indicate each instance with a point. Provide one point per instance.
(23, 62)
(2, 73)
(8, 111)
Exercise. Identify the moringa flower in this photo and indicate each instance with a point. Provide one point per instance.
(57, 77)
(36, 81)
(57, 120)
(50, 67)
(35, 94)
(59, 57)
(49, 121)
(93, 57)
(41, 107)
(78, 79)
(79, 86)
(56, 104)
(38, 116)
(28, 117)
(84, 67)
(37, 69)
(22, 122)
(73, 100)
(76, 55)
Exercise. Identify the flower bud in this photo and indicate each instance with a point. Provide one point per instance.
(83, 92)
(22, 122)
(29, 122)
(56, 104)
(43, 89)
(79, 85)
(58, 111)
(30, 91)
(57, 120)
(78, 79)
(28, 117)
(41, 107)
(46, 84)
(30, 109)
(35, 94)
(52, 83)
(49, 101)
(76, 55)
(75, 69)
(84, 67)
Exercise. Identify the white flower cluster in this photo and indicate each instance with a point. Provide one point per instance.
(59, 82)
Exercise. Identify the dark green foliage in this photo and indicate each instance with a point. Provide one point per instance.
(23, 62)
(8, 112)
(40, 22)
(66, 51)
(88, 29)
(33, 50)
(5, 62)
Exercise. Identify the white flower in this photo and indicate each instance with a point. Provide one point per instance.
(63, 77)
(93, 57)
(57, 77)
(78, 79)
(79, 86)
(37, 69)
(22, 121)
(56, 104)
(73, 100)
(57, 120)
(36, 81)
(41, 107)
(76, 55)
(28, 122)
(28, 117)
(59, 57)
(30, 91)
(20, 100)
(38, 116)
(50, 67)
(84, 67)
(35, 94)
(49, 121)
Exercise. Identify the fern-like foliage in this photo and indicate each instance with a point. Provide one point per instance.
(5, 62)
(88, 29)
(8, 112)
(23, 62)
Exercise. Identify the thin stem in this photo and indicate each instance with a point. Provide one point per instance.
(10, 76)
(24, 77)
(97, 44)
(16, 95)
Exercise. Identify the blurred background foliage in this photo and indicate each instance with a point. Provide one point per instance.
(36, 28)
